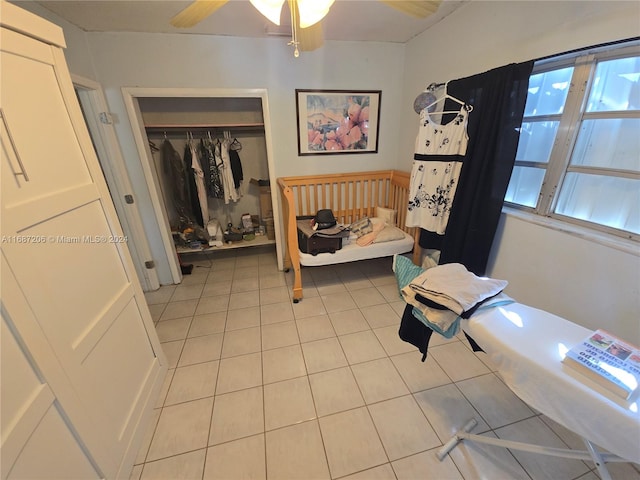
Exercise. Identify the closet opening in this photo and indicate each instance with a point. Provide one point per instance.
(206, 158)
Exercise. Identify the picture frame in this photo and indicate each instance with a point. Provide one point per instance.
(339, 122)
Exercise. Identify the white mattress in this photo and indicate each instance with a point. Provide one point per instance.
(527, 346)
(353, 252)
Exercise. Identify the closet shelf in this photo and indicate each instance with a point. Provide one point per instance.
(203, 126)
(259, 241)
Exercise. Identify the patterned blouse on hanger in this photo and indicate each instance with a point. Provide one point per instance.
(437, 163)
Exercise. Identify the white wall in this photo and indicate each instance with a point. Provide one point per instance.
(77, 52)
(577, 278)
(199, 61)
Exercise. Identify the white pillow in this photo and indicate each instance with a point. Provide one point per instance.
(389, 234)
(387, 214)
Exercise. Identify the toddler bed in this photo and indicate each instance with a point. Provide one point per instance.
(351, 197)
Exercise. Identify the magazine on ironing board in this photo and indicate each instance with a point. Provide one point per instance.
(609, 361)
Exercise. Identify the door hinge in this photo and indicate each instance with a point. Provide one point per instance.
(150, 264)
(105, 117)
(129, 199)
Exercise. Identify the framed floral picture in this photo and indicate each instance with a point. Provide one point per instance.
(337, 121)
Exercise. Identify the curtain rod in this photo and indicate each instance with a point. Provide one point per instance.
(585, 49)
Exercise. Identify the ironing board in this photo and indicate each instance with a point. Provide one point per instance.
(527, 345)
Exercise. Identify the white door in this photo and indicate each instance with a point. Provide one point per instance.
(37, 440)
(94, 109)
(64, 247)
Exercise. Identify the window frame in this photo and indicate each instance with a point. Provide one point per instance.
(558, 166)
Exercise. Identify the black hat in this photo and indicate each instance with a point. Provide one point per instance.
(324, 219)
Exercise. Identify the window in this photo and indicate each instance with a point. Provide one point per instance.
(578, 158)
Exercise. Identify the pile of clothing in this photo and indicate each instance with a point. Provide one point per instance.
(439, 297)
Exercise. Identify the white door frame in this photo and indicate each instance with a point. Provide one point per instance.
(94, 105)
(130, 96)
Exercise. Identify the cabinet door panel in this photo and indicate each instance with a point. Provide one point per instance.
(31, 420)
(83, 274)
(52, 453)
(38, 122)
(85, 303)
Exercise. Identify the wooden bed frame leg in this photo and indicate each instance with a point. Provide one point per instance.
(297, 295)
(297, 284)
(417, 250)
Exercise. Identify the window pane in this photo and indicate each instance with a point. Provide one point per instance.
(610, 201)
(548, 92)
(536, 141)
(524, 186)
(609, 143)
(616, 86)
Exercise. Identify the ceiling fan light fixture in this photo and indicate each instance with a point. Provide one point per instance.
(269, 8)
(312, 11)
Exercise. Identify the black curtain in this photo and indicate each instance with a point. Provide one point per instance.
(498, 98)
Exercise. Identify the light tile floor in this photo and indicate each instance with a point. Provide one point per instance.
(259, 387)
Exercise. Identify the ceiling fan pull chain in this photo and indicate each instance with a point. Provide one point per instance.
(294, 28)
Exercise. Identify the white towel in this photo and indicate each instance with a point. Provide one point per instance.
(454, 287)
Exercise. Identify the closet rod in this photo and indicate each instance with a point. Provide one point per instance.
(203, 126)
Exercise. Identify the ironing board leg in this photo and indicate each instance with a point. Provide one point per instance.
(591, 454)
(457, 438)
(596, 456)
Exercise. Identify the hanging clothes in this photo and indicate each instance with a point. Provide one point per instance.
(198, 174)
(214, 186)
(191, 183)
(236, 165)
(498, 97)
(230, 192)
(179, 186)
(204, 164)
(437, 163)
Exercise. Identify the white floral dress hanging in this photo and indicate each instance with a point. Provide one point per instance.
(436, 169)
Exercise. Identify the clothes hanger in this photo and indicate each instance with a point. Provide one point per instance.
(235, 145)
(446, 96)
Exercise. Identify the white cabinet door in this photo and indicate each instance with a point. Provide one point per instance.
(46, 158)
(64, 247)
(37, 441)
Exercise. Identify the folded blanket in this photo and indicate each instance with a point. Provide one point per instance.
(454, 287)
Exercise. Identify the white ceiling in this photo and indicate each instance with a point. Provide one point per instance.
(348, 20)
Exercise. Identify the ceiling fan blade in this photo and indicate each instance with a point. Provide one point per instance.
(196, 12)
(418, 8)
(311, 38)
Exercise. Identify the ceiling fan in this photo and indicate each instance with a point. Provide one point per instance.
(306, 29)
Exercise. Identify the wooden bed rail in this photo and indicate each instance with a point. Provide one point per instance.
(350, 196)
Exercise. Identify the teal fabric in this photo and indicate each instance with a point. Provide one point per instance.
(405, 271)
